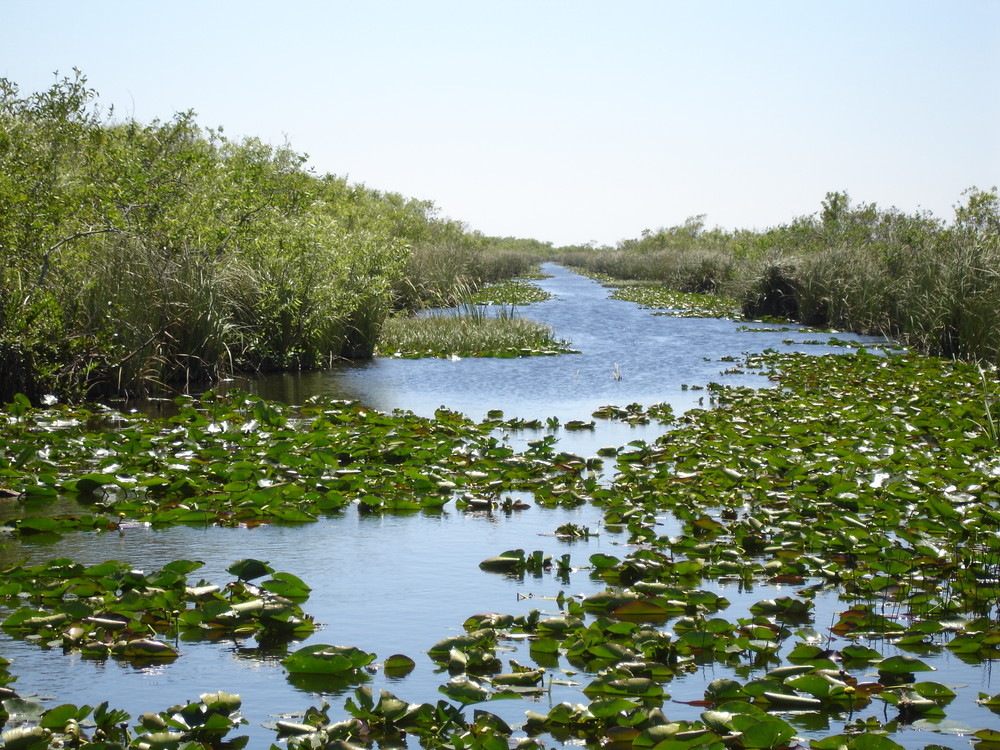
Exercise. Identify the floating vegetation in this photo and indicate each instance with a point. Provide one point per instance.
(679, 304)
(111, 610)
(191, 726)
(869, 484)
(829, 342)
(636, 413)
(516, 562)
(241, 461)
(512, 292)
(321, 659)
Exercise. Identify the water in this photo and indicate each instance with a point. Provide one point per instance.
(399, 584)
(656, 355)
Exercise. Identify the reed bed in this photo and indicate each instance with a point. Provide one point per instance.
(443, 275)
(931, 285)
(139, 258)
(467, 332)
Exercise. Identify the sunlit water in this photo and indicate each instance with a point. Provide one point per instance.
(400, 583)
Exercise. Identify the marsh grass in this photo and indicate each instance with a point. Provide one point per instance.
(686, 270)
(469, 331)
(931, 286)
(140, 258)
(445, 274)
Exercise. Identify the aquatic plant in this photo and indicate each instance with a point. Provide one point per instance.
(829, 486)
(512, 292)
(468, 332)
(239, 460)
(142, 258)
(112, 610)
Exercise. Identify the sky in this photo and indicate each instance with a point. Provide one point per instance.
(566, 121)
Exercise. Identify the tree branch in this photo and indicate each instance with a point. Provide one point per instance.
(48, 253)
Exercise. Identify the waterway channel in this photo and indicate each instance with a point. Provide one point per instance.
(393, 584)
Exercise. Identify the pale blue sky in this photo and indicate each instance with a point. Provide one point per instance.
(569, 121)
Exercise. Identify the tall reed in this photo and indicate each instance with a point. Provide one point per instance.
(142, 256)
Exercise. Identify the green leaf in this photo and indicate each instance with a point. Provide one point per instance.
(464, 691)
(398, 665)
(762, 733)
(903, 664)
(249, 569)
(287, 585)
(56, 718)
(324, 659)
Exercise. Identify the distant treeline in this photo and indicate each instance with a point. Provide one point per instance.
(136, 257)
(932, 285)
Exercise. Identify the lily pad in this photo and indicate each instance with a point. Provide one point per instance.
(328, 660)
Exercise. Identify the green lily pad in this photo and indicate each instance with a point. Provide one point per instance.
(327, 660)
(249, 569)
(903, 664)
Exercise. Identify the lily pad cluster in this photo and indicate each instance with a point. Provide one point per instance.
(389, 721)
(872, 482)
(636, 413)
(828, 482)
(190, 726)
(679, 304)
(112, 610)
(239, 460)
(510, 292)
(822, 478)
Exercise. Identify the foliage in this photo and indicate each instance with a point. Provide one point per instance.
(242, 461)
(469, 331)
(828, 483)
(453, 265)
(109, 610)
(137, 257)
(870, 270)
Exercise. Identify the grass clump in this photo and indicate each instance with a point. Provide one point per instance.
(468, 332)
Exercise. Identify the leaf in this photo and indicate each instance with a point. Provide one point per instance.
(287, 585)
(762, 732)
(398, 665)
(37, 525)
(249, 569)
(602, 561)
(26, 738)
(464, 691)
(144, 648)
(56, 718)
(903, 664)
(328, 660)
